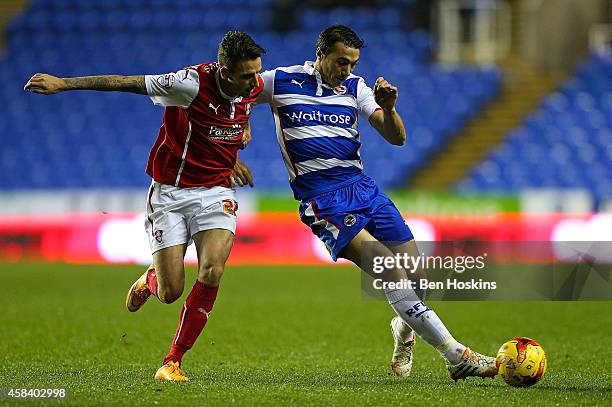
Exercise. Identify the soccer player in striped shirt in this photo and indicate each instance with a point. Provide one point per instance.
(315, 108)
(191, 198)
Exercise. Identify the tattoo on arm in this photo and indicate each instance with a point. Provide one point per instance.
(108, 83)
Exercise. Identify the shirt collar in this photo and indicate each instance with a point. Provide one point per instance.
(311, 70)
(225, 96)
(309, 67)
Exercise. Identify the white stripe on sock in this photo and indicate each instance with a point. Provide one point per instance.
(181, 325)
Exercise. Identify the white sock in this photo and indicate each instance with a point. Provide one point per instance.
(425, 322)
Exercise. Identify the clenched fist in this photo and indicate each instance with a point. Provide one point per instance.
(385, 94)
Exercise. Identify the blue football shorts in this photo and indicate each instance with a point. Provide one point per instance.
(336, 217)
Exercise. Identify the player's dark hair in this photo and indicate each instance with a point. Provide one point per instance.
(338, 33)
(238, 46)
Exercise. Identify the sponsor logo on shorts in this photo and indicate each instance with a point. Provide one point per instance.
(158, 235)
(230, 207)
(350, 220)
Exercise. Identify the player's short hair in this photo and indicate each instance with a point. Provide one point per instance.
(238, 46)
(338, 33)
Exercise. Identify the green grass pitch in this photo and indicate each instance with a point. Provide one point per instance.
(277, 336)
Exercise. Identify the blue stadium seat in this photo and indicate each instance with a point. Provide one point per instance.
(83, 139)
(567, 143)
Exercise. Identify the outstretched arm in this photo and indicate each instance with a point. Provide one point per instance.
(387, 121)
(49, 84)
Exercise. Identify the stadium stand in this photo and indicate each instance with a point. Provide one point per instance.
(566, 143)
(96, 140)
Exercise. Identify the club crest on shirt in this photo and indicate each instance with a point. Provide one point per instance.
(230, 207)
(166, 80)
(158, 235)
(247, 108)
(350, 220)
(340, 90)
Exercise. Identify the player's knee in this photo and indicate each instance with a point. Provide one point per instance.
(169, 294)
(211, 272)
(170, 288)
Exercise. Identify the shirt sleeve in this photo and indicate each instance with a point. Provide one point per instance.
(173, 89)
(268, 89)
(365, 100)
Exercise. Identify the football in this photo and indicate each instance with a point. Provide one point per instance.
(521, 362)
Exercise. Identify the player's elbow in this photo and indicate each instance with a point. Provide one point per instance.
(399, 139)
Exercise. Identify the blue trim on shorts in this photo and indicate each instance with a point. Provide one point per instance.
(337, 216)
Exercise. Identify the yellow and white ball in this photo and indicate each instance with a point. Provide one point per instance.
(521, 362)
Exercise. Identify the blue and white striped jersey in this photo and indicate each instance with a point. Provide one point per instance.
(316, 126)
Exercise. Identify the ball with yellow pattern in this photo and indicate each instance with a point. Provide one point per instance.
(521, 362)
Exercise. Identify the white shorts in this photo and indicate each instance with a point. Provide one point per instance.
(175, 214)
